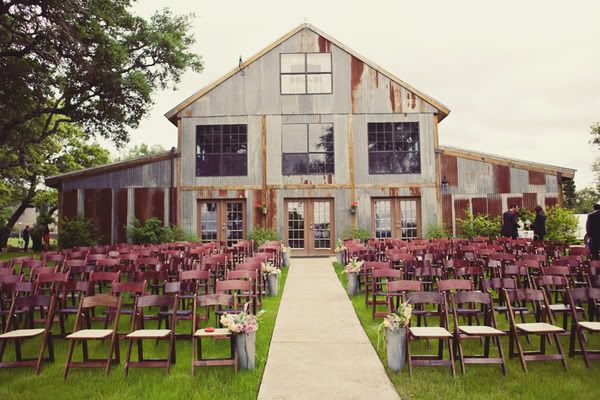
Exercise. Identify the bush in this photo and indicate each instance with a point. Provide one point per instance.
(481, 225)
(436, 231)
(357, 234)
(77, 232)
(561, 225)
(154, 231)
(526, 215)
(262, 235)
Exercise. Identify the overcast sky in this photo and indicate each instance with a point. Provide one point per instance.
(521, 78)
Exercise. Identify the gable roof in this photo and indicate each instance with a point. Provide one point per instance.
(172, 114)
(510, 162)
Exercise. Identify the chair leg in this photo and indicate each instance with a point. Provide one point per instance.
(128, 356)
(560, 351)
(461, 356)
(408, 353)
(501, 354)
(452, 368)
(193, 354)
(521, 354)
(69, 358)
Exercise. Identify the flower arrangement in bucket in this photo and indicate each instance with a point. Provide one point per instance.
(262, 207)
(339, 251)
(395, 326)
(353, 207)
(272, 274)
(352, 269)
(244, 327)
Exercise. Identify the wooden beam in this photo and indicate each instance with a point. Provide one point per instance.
(351, 167)
(438, 169)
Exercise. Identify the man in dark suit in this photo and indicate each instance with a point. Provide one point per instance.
(592, 228)
(509, 223)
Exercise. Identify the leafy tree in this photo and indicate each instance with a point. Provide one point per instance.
(561, 225)
(67, 150)
(262, 235)
(595, 132)
(568, 193)
(481, 225)
(140, 151)
(77, 232)
(436, 231)
(91, 63)
(585, 200)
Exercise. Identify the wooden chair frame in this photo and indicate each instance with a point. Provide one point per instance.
(581, 295)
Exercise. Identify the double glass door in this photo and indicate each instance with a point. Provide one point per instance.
(309, 225)
(396, 218)
(221, 220)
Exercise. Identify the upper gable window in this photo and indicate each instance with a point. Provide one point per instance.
(306, 73)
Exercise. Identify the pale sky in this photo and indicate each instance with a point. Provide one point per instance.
(521, 78)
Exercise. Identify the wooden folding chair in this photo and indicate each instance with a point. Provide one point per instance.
(440, 332)
(380, 279)
(488, 330)
(139, 333)
(545, 330)
(216, 301)
(19, 335)
(82, 335)
(578, 327)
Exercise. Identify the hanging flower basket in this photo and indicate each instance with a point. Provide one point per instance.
(262, 208)
(353, 207)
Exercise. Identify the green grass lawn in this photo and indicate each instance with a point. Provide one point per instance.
(145, 383)
(9, 255)
(546, 380)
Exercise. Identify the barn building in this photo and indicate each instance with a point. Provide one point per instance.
(294, 137)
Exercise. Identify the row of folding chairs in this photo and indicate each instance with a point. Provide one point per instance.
(84, 332)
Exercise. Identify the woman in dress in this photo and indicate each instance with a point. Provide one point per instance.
(539, 226)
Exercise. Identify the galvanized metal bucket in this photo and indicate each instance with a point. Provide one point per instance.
(273, 284)
(339, 257)
(396, 348)
(352, 283)
(245, 348)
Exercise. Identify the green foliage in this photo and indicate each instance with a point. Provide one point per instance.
(569, 193)
(77, 232)
(154, 231)
(357, 234)
(140, 151)
(526, 215)
(585, 200)
(262, 235)
(436, 231)
(561, 225)
(481, 225)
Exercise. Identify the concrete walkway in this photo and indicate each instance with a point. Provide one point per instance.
(319, 349)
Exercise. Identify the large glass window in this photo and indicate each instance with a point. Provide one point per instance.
(307, 149)
(221, 150)
(306, 73)
(394, 148)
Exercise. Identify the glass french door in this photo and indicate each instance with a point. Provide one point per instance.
(396, 218)
(221, 220)
(309, 226)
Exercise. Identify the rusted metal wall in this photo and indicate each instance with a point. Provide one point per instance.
(537, 178)
(479, 205)
(156, 174)
(449, 169)
(494, 205)
(447, 215)
(502, 177)
(120, 215)
(530, 200)
(103, 213)
(518, 201)
(551, 201)
(69, 203)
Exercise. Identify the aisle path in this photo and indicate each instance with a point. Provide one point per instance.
(319, 349)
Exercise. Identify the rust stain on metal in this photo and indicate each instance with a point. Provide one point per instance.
(494, 205)
(537, 178)
(529, 200)
(394, 192)
(395, 97)
(412, 100)
(257, 195)
(415, 191)
(356, 70)
(330, 179)
(392, 97)
(447, 211)
(502, 175)
(241, 193)
(222, 193)
(450, 169)
(324, 45)
(272, 207)
(374, 75)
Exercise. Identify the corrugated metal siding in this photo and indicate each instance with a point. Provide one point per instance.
(142, 202)
(479, 205)
(447, 211)
(89, 207)
(519, 180)
(157, 206)
(69, 203)
(156, 174)
(494, 205)
(537, 178)
(518, 201)
(449, 169)
(502, 178)
(550, 201)
(551, 184)
(120, 220)
(460, 205)
(103, 215)
(530, 200)
(474, 177)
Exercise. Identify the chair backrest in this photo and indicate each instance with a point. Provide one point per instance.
(584, 294)
(528, 295)
(30, 302)
(556, 270)
(102, 300)
(105, 276)
(546, 281)
(499, 283)
(132, 288)
(404, 286)
(107, 262)
(172, 288)
(219, 299)
(193, 275)
(246, 266)
(242, 274)
(38, 271)
(437, 298)
(55, 279)
(373, 265)
(156, 300)
(471, 297)
(232, 285)
(388, 273)
(445, 285)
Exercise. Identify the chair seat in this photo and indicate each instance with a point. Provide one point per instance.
(22, 333)
(476, 330)
(149, 333)
(592, 326)
(562, 307)
(539, 327)
(91, 334)
(430, 332)
(216, 332)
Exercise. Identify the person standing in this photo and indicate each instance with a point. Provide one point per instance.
(25, 235)
(592, 228)
(46, 238)
(539, 225)
(509, 223)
